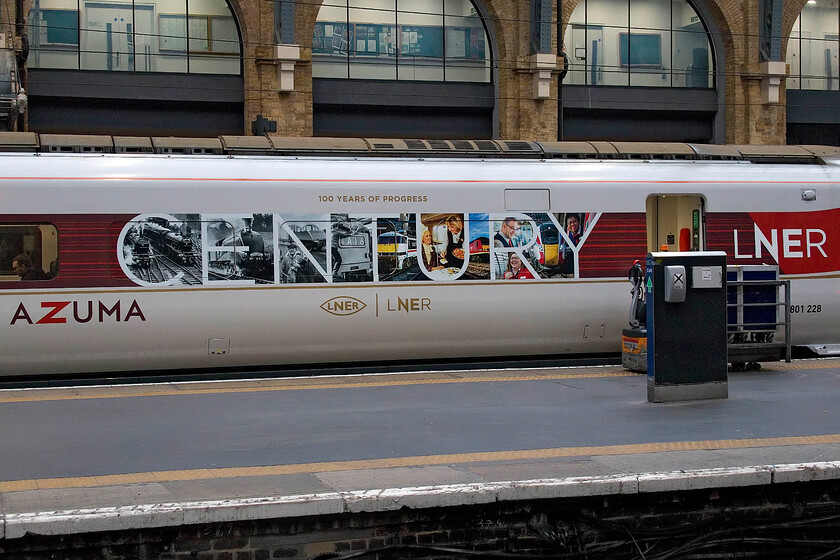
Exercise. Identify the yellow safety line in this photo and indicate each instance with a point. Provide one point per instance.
(256, 386)
(808, 364)
(353, 382)
(427, 460)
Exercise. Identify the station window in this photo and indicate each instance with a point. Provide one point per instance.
(813, 48)
(155, 36)
(644, 43)
(34, 247)
(431, 40)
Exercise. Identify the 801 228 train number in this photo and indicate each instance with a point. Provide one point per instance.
(810, 308)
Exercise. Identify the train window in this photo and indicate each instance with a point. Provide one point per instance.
(28, 252)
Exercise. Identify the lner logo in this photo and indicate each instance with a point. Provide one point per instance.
(343, 305)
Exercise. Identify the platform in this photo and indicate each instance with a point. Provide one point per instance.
(93, 459)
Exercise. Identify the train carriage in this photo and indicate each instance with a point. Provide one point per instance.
(320, 296)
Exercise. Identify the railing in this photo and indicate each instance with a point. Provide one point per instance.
(749, 340)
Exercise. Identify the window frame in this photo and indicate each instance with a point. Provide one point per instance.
(9, 275)
(475, 45)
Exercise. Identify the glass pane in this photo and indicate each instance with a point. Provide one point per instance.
(421, 49)
(818, 55)
(199, 34)
(467, 48)
(329, 41)
(576, 46)
(33, 247)
(645, 52)
(606, 21)
(126, 36)
(373, 39)
(818, 72)
(646, 56)
(214, 40)
(793, 56)
(54, 35)
(160, 40)
(7, 64)
(223, 35)
(107, 36)
(692, 62)
(167, 51)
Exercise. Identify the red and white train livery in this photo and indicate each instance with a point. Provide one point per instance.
(265, 253)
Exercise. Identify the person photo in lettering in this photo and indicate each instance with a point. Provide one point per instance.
(507, 229)
(452, 255)
(450, 238)
(428, 252)
(574, 231)
(516, 269)
(302, 248)
(511, 233)
(23, 267)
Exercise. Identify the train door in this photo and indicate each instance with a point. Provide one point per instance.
(675, 222)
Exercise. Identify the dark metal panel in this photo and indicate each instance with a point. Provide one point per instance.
(402, 122)
(135, 85)
(640, 98)
(634, 125)
(404, 94)
(540, 26)
(134, 117)
(284, 22)
(770, 29)
(804, 106)
(824, 134)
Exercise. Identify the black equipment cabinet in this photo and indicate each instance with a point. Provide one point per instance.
(686, 324)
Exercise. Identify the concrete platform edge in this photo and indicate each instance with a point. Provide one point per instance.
(134, 517)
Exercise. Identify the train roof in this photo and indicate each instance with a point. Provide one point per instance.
(31, 142)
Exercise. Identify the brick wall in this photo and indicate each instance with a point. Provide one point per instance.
(794, 520)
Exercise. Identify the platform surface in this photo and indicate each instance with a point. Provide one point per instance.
(125, 457)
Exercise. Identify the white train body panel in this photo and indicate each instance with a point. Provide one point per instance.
(262, 310)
